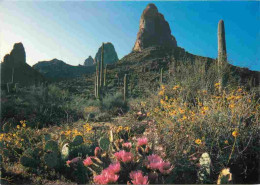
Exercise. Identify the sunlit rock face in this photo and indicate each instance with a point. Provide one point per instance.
(154, 30)
(110, 55)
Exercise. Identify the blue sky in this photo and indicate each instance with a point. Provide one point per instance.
(71, 31)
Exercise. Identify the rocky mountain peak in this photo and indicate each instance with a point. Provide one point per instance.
(110, 55)
(89, 61)
(154, 30)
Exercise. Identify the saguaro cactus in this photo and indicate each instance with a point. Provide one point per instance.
(105, 76)
(222, 52)
(102, 68)
(161, 75)
(98, 81)
(125, 87)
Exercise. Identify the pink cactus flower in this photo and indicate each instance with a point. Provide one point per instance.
(127, 145)
(165, 167)
(154, 161)
(114, 168)
(124, 156)
(142, 141)
(106, 177)
(138, 178)
(68, 162)
(97, 152)
(87, 161)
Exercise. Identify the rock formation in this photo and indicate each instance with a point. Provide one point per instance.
(57, 69)
(14, 68)
(89, 61)
(154, 30)
(110, 55)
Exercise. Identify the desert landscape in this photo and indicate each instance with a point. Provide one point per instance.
(159, 114)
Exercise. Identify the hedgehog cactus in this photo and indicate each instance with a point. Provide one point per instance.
(104, 143)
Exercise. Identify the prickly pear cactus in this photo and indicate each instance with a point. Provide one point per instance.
(65, 151)
(28, 161)
(77, 140)
(6, 127)
(52, 146)
(47, 137)
(104, 143)
(51, 159)
(225, 177)
(204, 171)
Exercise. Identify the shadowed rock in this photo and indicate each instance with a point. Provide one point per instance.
(89, 61)
(110, 55)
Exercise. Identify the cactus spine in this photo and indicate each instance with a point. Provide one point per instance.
(161, 75)
(222, 53)
(125, 87)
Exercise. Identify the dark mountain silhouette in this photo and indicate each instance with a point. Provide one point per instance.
(57, 69)
(14, 68)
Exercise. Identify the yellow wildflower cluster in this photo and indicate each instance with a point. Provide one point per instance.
(176, 87)
(87, 128)
(162, 91)
(23, 123)
(120, 128)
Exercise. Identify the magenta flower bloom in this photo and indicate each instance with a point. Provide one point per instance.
(106, 177)
(68, 163)
(138, 178)
(87, 161)
(97, 152)
(114, 168)
(127, 145)
(124, 156)
(165, 167)
(142, 141)
(154, 161)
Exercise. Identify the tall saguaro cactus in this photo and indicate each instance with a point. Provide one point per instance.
(102, 68)
(125, 87)
(97, 80)
(222, 52)
(105, 76)
(161, 75)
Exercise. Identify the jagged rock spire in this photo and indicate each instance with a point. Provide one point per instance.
(154, 30)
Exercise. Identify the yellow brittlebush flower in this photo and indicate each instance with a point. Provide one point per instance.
(198, 141)
(235, 133)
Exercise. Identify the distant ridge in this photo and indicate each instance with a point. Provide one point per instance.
(57, 69)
